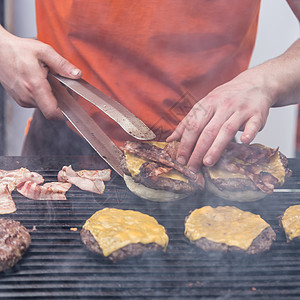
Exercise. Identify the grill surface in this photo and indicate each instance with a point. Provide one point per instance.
(58, 266)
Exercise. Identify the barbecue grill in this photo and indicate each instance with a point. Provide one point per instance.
(58, 266)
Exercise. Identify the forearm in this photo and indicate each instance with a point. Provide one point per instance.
(281, 77)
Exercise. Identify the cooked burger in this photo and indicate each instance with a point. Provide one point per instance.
(290, 222)
(227, 228)
(152, 172)
(14, 241)
(119, 234)
(247, 172)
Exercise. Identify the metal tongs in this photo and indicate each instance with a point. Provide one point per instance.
(87, 127)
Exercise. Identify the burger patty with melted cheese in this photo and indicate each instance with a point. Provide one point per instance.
(247, 172)
(118, 234)
(227, 228)
(290, 222)
(172, 180)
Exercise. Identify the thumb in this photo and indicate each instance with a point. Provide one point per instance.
(58, 64)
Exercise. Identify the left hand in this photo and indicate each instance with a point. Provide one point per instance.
(240, 104)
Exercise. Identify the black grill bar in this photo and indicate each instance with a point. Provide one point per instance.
(57, 265)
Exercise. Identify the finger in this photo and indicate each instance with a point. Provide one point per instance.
(46, 101)
(204, 142)
(26, 103)
(226, 134)
(188, 140)
(176, 134)
(58, 64)
(193, 125)
(252, 127)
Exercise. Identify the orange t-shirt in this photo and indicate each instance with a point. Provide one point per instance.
(155, 57)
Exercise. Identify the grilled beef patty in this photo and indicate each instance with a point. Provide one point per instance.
(289, 222)
(160, 183)
(255, 179)
(231, 184)
(260, 244)
(228, 229)
(165, 157)
(120, 254)
(14, 241)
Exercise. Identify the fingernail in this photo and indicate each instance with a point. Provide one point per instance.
(208, 161)
(75, 72)
(181, 160)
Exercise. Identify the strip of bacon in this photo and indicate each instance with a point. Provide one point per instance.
(172, 149)
(67, 174)
(10, 182)
(7, 204)
(154, 153)
(250, 154)
(95, 174)
(14, 177)
(58, 187)
(22, 172)
(246, 160)
(48, 191)
(153, 169)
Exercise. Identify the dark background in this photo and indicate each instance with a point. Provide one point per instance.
(2, 101)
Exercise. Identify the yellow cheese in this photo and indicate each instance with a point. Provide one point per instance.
(134, 163)
(224, 224)
(215, 172)
(161, 145)
(115, 228)
(175, 175)
(291, 222)
(274, 167)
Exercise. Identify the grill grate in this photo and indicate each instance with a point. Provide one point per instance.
(58, 266)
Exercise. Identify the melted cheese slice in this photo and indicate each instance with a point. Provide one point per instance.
(274, 167)
(224, 224)
(115, 228)
(291, 222)
(134, 163)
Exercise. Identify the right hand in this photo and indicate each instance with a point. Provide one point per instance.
(24, 67)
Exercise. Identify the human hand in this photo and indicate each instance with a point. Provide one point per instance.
(24, 66)
(240, 104)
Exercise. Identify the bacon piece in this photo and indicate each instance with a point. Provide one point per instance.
(249, 154)
(154, 153)
(95, 174)
(14, 177)
(48, 191)
(67, 174)
(172, 149)
(150, 169)
(7, 204)
(265, 183)
(22, 172)
(8, 182)
(246, 160)
(58, 187)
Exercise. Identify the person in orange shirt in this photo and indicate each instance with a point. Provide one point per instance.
(180, 67)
